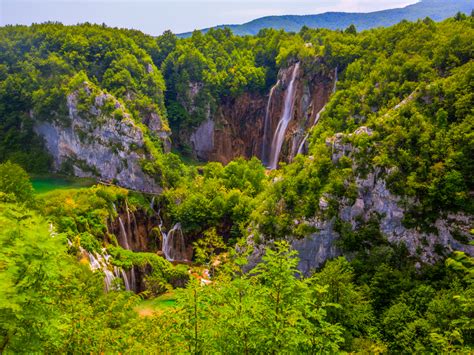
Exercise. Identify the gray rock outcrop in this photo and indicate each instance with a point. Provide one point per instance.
(373, 199)
(99, 144)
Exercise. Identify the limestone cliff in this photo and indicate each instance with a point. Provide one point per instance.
(99, 138)
(374, 200)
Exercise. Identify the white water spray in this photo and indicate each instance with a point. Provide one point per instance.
(123, 234)
(267, 128)
(285, 119)
(174, 248)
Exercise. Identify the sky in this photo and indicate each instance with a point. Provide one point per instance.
(155, 16)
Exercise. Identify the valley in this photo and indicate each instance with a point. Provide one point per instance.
(284, 192)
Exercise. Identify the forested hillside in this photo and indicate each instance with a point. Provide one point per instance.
(279, 193)
(435, 9)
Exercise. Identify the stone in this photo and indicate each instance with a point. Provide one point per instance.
(106, 151)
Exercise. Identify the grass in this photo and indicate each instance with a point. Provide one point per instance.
(156, 305)
(44, 184)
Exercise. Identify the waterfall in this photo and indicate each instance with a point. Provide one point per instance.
(266, 126)
(124, 234)
(133, 279)
(100, 262)
(174, 248)
(129, 226)
(125, 279)
(285, 119)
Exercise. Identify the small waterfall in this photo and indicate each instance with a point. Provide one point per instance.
(335, 81)
(123, 234)
(266, 127)
(129, 225)
(300, 148)
(133, 279)
(285, 119)
(174, 248)
(125, 278)
(100, 262)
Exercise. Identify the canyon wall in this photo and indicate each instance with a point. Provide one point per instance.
(245, 126)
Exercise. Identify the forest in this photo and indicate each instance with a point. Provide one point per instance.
(142, 247)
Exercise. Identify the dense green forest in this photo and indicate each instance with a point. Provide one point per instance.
(409, 86)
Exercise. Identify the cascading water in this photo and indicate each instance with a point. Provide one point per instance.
(285, 119)
(174, 248)
(100, 262)
(124, 277)
(123, 234)
(267, 128)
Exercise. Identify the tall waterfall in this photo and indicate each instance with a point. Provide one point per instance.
(285, 119)
(174, 248)
(267, 128)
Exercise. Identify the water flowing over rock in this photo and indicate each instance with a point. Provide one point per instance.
(266, 140)
(100, 262)
(286, 116)
(135, 230)
(245, 126)
(98, 144)
(123, 235)
(174, 247)
(301, 147)
(315, 122)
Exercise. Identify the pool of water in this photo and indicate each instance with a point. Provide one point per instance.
(46, 184)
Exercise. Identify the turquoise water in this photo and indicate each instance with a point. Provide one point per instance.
(46, 184)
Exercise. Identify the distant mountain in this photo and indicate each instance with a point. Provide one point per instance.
(435, 9)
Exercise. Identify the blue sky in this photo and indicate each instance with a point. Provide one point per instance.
(155, 16)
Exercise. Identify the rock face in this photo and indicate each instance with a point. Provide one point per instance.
(99, 143)
(311, 95)
(235, 130)
(237, 126)
(316, 248)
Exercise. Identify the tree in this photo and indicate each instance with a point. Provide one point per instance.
(351, 30)
(14, 180)
(206, 248)
(32, 269)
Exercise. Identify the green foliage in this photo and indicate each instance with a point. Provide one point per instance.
(206, 247)
(15, 181)
(220, 197)
(411, 84)
(43, 64)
